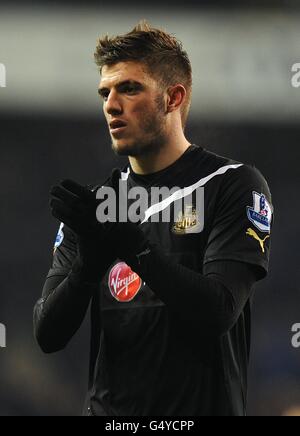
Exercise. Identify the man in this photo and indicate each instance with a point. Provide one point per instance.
(170, 301)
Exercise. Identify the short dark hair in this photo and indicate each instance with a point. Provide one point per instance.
(160, 52)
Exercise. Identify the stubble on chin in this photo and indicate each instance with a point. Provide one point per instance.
(125, 150)
(142, 147)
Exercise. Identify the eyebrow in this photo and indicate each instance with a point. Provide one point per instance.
(120, 85)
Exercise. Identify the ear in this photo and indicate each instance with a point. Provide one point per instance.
(176, 97)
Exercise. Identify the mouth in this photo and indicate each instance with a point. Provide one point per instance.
(117, 126)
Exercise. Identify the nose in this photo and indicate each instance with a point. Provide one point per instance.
(113, 104)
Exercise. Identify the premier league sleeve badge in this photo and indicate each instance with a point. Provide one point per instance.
(260, 214)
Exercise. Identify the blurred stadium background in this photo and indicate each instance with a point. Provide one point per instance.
(52, 127)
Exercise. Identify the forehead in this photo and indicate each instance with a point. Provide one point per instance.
(111, 75)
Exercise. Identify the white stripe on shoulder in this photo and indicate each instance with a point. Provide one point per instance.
(125, 176)
(181, 193)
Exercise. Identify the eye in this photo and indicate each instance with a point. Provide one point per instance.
(130, 89)
(104, 95)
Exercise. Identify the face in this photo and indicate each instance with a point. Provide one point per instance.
(134, 108)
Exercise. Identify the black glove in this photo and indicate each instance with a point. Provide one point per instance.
(127, 240)
(75, 206)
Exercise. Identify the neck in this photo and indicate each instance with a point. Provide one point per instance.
(159, 160)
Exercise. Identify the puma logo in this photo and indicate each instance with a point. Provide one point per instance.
(254, 235)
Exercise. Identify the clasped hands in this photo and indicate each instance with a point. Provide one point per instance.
(76, 205)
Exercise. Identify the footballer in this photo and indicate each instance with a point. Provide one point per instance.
(170, 301)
